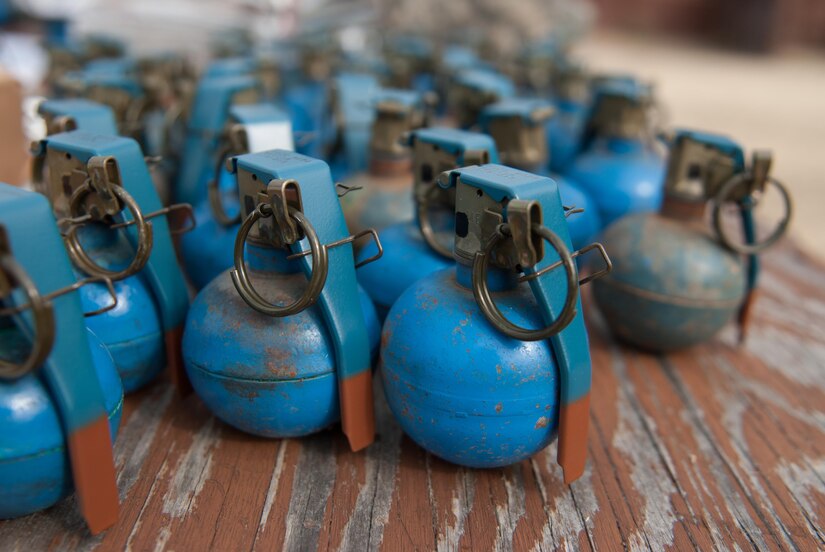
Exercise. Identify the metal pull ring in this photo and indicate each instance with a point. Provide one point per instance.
(43, 316)
(214, 194)
(428, 232)
(320, 266)
(725, 193)
(81, 258)
(485, 301)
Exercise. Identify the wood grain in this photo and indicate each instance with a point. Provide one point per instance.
(720, 447)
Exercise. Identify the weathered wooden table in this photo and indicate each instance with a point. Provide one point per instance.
(718, 447)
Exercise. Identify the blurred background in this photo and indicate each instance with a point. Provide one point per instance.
(753, 69)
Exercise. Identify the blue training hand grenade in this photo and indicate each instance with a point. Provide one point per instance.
(571, 98)
(676, 283)
(131, 330)
(383, 195)
(207, 121)
(353, 113)
(419, 247)
(463, 372)
(259, 351)
(206, 251)
(117, 228)
(471, 90)
(619, 163)
(60, 395)
(518, 125)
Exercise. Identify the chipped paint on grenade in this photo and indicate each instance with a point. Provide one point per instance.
(460, 387)
(619, 165)
(269, 375)
(674, 283)
(407, 256)
(672, 286)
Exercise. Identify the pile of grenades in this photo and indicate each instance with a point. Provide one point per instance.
(337, 215)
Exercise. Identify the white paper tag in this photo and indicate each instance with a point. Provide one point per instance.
(268, 136)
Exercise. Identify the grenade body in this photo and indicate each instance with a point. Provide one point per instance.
(132, 331)
(564, 134)
(273, 377)
(381, 202)
(622, 177)
(459, 387)
(672, 285)
(34, 460)
(407, 258)
(208, 249)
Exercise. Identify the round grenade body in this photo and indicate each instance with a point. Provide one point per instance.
(381, 202)
(672, 285)
(460, 388)
(34, 461)
(622, 177)
(564, 133)
(273, 377)
(585, 225)
(407, 258)
(207, 250)
(132, 331)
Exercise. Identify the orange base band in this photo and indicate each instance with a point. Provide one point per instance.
(744, 316)
(573, 425)
(174, 361)
(93, 469)
(357, 415)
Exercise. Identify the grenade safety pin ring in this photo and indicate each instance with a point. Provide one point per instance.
(145, 238)
(42, 315)
(428, 232)
(485, 301)
(320, 266)
(726, 192)
(214, 194)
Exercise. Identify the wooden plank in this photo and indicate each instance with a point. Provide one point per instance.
(720, 447)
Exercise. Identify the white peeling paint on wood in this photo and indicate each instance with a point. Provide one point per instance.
(136, 436)
(509, 513)
(795, 358)
(192, 471)
(311, 488)
(727, 486)
(365, 527)
(650, 479)
(571, 511)
(272, 490)
(805, 482)
(461, 504)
